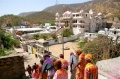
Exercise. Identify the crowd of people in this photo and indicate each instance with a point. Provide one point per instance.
(81, 67)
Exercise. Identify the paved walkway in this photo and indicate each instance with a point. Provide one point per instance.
(31, 60)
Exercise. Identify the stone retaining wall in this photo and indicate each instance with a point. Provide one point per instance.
(12, 67)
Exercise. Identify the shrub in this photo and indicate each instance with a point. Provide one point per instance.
(44, 36)
(36, 36)
(82, 42)
(102, 48)
(54, 36)
(67, 32)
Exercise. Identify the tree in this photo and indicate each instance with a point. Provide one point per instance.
(67, 32)
(102, 48)
(44, 36)
(6, 41)
(82, 42)
(36, 36)
(53, 35)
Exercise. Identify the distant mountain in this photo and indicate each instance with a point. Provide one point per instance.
(23, 14)
(104, 6)
(41, 17)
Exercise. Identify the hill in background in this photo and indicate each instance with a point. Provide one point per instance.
(108, 7)
(12, 20)
(111, 7)
(23, 14)
(41, 17)
(104, 6)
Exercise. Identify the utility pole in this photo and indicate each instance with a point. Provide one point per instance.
(63, 44)
(56, 2)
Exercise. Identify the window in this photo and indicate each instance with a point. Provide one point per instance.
(53, 27)
(81, 26)
(81, 21)
(74, 26)
(74, 21)
(73, 15)
(77, 15)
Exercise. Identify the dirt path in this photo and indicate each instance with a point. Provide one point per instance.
(57, 49)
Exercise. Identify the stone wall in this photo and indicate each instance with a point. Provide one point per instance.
(12, 67)
(110, 68)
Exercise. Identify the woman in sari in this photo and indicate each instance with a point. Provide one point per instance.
(80, 65)
(61, 73)
(36, 72)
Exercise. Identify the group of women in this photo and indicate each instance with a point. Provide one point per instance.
(81, 67)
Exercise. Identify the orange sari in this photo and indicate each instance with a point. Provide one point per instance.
(91, 71)
(61, 74)
(64, 63)
(81, 66)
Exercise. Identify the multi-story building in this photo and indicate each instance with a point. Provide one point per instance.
(80, 21)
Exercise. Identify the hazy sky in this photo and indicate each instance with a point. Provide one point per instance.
(17, 6)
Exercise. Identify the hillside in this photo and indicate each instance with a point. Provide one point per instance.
(12, 20)
(108, 7)
(104, 6)
(23, 14)
(41, 17)
(48, 15)
(37, 17)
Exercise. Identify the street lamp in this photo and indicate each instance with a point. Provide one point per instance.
(63, 44)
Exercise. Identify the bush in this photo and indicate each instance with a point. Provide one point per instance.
(102, 48)
(54, 36)
(36, 36)
(44, 36)
(2, 53)
(82, 42)
(67, 32)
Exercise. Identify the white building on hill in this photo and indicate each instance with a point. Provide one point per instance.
(80, 21)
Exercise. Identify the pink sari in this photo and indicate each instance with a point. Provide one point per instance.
(36, 73)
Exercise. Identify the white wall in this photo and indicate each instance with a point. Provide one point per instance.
(29, 49)
(52, 41)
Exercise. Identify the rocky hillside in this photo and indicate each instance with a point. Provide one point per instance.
(41, 17)
(23, 14)
(108, 7)
(104, 6)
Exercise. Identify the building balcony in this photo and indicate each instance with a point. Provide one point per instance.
(78, 17)
(60, 23)
(66, 18)
(79, 23)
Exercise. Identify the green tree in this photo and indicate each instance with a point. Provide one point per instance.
(67, 32)
(82, 42)
(53, 35)
(6, 41)
(36, 36)
(44, 36)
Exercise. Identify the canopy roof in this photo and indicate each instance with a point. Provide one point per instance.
(29, 29)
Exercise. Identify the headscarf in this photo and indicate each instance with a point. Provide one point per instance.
(78, 52)
(88, 57)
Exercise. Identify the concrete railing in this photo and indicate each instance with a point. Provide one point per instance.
(61, 39)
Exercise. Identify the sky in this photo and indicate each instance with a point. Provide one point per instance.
(18, 6)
